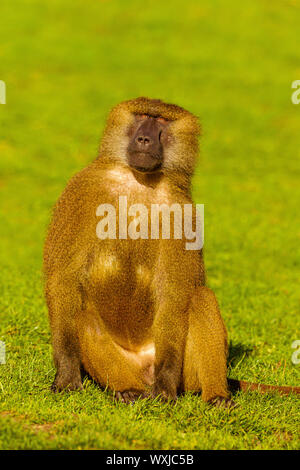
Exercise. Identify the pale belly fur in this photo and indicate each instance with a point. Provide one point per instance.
(143, 359)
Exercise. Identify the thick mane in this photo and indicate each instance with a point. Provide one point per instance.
(184, 128)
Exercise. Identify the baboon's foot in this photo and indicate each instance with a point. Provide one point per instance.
(66, 383)
(129, 396)
(222, 402)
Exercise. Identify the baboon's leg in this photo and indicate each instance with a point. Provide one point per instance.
(63, 303)
(121, 370)
(170, 330)
(206, 348)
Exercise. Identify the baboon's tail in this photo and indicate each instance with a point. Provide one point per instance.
(236, 385)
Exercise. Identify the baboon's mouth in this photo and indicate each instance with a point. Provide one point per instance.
(145, 162)
(143, 169)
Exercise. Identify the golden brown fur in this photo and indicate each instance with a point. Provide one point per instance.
(135, 313)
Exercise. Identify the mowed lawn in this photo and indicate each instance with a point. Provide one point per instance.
(232, 63)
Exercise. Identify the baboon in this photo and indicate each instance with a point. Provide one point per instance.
(136, 314)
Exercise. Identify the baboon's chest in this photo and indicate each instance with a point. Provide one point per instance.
(123, 293)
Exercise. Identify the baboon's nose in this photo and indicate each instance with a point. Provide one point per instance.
(143, 140)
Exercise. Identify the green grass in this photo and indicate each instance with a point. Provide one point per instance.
(232, 63)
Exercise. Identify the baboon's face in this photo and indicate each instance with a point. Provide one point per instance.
(148, 138)
(151, 136)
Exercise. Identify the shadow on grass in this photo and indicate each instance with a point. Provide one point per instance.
(237, 352)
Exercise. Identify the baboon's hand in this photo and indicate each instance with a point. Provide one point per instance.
(164, 389)
(67, 383)
(129, 396)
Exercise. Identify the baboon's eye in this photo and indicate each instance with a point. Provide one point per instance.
(161, 119)
(141, 117)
